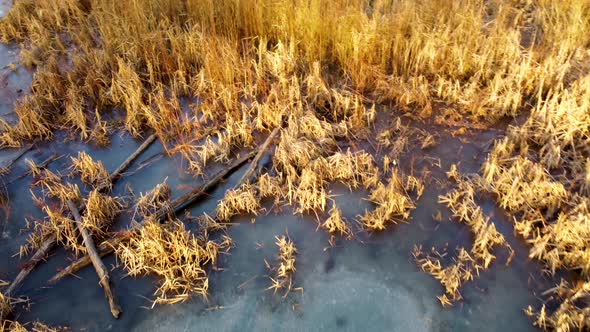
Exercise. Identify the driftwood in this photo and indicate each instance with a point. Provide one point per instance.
(38, 256)
(43, 164)
(50, 241)
(250, 172)
(176, 206)
(101, 270)
(20, 154)
(124, 165)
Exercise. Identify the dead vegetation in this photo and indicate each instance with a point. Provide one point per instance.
(282, 273)
(467, 264)
(154, 200)
(158, 248)
(91, 172)
(14, 326)
(248, 67)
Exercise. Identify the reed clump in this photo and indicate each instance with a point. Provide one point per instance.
(154, 200)
(460, 270)
(336, 224)
(252, 66)
(14, 326)
(156, 249)
(461, 202)
(100, 212)
(393, 204)
(538, 172)
(282, 272)
(90, 171)
(572, 312)
(242, 200)
(486, 239)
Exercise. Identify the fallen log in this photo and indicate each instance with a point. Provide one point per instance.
(43, 164)
(177, 205)
(101, 270)
(17, 157)
(249, 174)
(50, 241)
(37, 257)
(116, 174)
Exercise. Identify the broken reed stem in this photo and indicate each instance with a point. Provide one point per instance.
(50, 241)
(250, 172)
(177, 205)
(99, 266)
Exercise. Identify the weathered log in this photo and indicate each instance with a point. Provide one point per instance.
(101, 270)
(177, 205)
(125, 164)
(37, 257)
(20, 154)
(249, 174)
(43, 164)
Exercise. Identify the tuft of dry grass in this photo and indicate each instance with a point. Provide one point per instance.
(336, 224)
(237, 201)
(452, 276)
(90, 171)
(154, 200)
(159, 248)
(571, 312)
(14, 326)
(282, 278)
(100, 212)
(51, 183)
(392, 204)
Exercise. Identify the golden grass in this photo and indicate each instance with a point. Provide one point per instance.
(154, 200)
(461, 202)
(571, 313)
(282, 275)
(100, 212)
(90, 171)
(486, 238)
(14, 326)
(486, 59)
(253, 65)
(159, 248)
(392, 204)
(242, 200)
(335, 224)
(51, 183)
(452, 276)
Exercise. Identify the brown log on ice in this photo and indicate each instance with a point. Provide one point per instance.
(17, 157)
(250, 172)
(101, 270)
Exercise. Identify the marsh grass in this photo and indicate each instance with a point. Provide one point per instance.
(90, 172)
(467, 263)
(253, 65)
(242, 200)
(460, 270)
(393, 204)
(158, 248)
(282, 272)
(14, 326)
(152, 201)
(336, 224)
